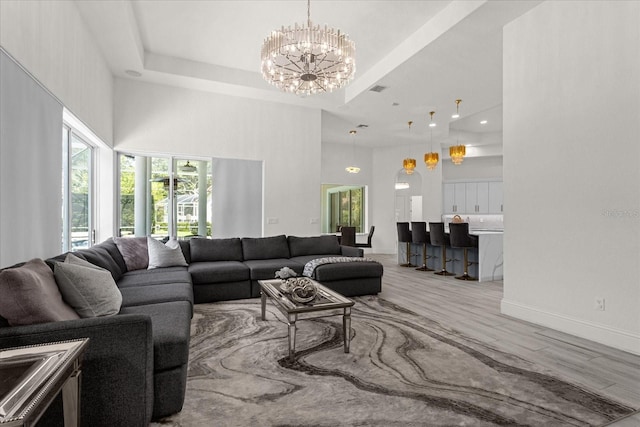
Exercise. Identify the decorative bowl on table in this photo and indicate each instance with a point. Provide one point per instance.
(303, 290)
(300, 289)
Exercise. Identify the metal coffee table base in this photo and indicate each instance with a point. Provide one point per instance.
(291, 312)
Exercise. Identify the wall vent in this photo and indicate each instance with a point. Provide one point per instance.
(378, 88)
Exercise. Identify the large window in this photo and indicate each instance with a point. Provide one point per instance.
(153, 203)
(78, 191)
(343, 206)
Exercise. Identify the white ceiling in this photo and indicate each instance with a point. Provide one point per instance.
(427, 54)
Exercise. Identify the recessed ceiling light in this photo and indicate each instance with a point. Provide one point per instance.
(484, 122)
(133, 73)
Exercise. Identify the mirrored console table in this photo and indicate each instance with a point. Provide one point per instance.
(32, 376)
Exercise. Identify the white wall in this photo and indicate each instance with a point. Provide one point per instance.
(50, 39)
(336, 157)
(161, 119)
(473, 168)
(30, 190)
(571, 169)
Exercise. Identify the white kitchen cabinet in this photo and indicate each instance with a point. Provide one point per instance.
(477, 197)
(495, 197)
(454, 197)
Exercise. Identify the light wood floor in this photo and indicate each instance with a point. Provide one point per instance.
(473, 308)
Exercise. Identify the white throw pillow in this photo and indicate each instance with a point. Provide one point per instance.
(89, 289)
(161, 255)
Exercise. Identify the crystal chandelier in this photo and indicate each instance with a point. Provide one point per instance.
(431, 159)
(306, 60)
(457, 153)
(353, 169)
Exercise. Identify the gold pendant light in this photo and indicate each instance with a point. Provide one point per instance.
(457, 153)
(409, 164)
(431, 158)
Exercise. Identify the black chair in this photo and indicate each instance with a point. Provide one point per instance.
(369, 237)
(348, 236)
(420, 236)
(460, 238)
(438, 238)
(404, 236)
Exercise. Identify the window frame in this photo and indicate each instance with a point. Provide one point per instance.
(70, 133)
(328, 194)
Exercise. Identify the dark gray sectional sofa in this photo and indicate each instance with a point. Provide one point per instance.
(135, 367)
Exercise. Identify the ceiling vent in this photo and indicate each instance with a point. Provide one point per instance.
(378, 88)
(362, 126)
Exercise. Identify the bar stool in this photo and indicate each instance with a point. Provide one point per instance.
(420, 235)
(460, 238)
(438, 238)
(404, 236)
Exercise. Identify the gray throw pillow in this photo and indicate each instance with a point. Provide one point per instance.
(134, 251)
(29, 295)
(161, 255)
(89, 289)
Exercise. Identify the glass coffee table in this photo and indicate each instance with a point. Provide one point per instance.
(325, 299)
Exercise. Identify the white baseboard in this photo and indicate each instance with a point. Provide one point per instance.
(602, 334)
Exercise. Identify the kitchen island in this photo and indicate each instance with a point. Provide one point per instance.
(488, 256)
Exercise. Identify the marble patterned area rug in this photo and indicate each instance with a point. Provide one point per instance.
(403, 370)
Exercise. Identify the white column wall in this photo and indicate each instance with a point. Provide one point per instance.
(571, 169)
(50, 39)
(160, 119)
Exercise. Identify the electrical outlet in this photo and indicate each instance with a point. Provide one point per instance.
(314, 220)
(599, 304)
(272, 220)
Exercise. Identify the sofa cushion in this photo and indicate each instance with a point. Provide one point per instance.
(262, 269)
(154, 294)
(134, 251)
(90, 290)
(215, 249)
(171, 326)
(265, 247)
(157, 276)
(218, 272)
(347, 270)
(324, 245)
(30, 295)
(164, 254)
(105, 255)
